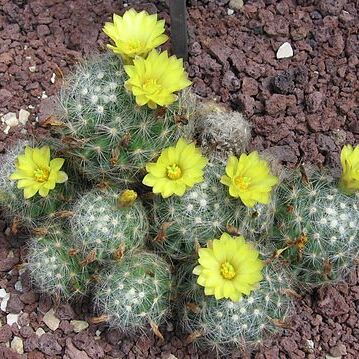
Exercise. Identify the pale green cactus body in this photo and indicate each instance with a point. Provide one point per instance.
(29, 212)
(135, 293)
(319, 227)
(106, 135)
(224, 325)
(181, 224)
(53, 267)
(100, 224)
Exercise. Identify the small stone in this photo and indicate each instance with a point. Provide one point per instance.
(338, 350)
(17, 345)
(53, 78)
(3, 293)
(5, 333)
(4, 301)
(32, 68)
(50, 320)
(12, 318)
(330, 357)
(310, 344)
(40, 332)
(23, 116)
(171, 356)
(230, 12)
(79, 325)
(71, 352)
(14, 304)
(285, 51)
(10, 119)
(236, 4)
(49, 345)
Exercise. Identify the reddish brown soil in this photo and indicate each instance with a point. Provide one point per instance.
(302, 109)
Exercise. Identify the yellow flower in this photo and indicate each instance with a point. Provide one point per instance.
(177, 169)
(249, 178)
(35, 172)
(349, 157)
(135, 34)
(127, 198)
(228, 268)
(154, 80)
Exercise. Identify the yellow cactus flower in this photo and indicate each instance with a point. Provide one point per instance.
(154, 80)
(135, 34)
(177, 169)
(127, 198)
(349, 158)
(35, 172)
(249, 179)
(228, 268)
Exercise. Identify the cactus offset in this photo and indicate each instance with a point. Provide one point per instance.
(224, 325)
(33, 211)
(106, 134)
(105, 228)
(54, 265)
(316, 228)
(135, 293)
(181, 224)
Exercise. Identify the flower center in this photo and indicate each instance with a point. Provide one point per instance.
(242, 182)
(134, 46)
(151, 86)
(41, 175)
(227, 270)
(174, 172)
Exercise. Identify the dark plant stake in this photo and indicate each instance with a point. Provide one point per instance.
(178, 14)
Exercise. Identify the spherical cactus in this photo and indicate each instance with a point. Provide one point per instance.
(108, 223)
(106, 134)
(32, 211)
(221, 132)
(135, 293)
(224, 325)
(181, 224)
(317, 228)
(54, 266)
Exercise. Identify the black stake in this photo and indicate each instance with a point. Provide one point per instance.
(179, 35)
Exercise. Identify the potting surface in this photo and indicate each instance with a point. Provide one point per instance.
(302, 108)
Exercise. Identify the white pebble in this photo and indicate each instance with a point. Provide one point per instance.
(10, 119)
(23, 116)
(17, 345)
(285, 51)
(3, 293)
(230, 12)
(18, 286)
(12, 318)
(53, 78)
(4, 301)
(50, 320)
(79, 325)
(32, 68)
(40, 332)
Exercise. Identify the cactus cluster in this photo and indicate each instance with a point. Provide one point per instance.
(223, 324)
(104, 228)
(316, 227)
(105, 134)
(121, 128)
(135, 292)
